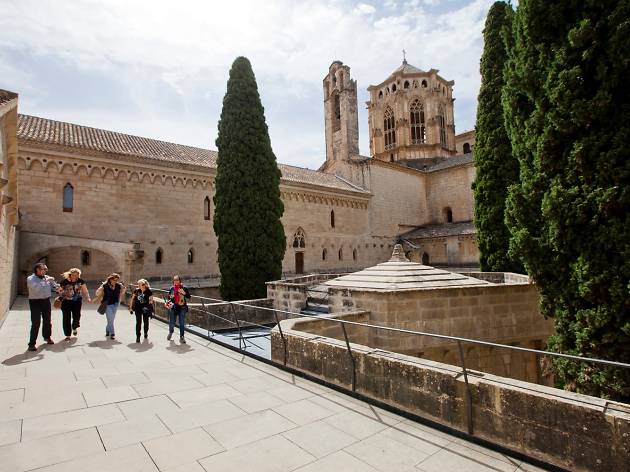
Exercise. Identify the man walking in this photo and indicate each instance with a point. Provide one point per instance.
(40, 287)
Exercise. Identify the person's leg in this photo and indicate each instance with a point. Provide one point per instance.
(138, 323)
(46, 321)
(66, 311)
(114, 309)
(171, 321)
(145, 319)
(110, 312)
(76, 314)
(36, 316)
(182, 321)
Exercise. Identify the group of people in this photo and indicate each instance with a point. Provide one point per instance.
(72, 290)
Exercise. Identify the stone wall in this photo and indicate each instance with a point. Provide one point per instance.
(8, 201)
(291, 294)
(504, 314)
(573, 431)
(450, 188)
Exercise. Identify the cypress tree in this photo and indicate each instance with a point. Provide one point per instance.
(247, 201)
(567, 112)
(495, 166)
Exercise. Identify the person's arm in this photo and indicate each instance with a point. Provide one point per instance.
(122, 292)
(131, 303)
(53, 285)
(86, 293)
(186, 292)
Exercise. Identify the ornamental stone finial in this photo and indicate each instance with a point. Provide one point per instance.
(398, 255)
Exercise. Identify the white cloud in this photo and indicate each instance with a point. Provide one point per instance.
(167, 65)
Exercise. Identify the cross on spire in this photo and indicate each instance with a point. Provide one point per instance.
(404, 56)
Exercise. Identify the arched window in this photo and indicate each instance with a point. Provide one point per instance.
(440, 120)
(332, 218)
(68, 197)
(299, 239)
(191, 256)
(394, 88)
(158, 255)
(337, 113)
(424, 84)
(406, 84)
(416, 119)
(380, 94)
(85, 258)
(340, 254)
(388, 127)
(466, 148)
(354, 255)
(206, 208)
(324, 254)
(448, 215)
(425, 258)
(337, 108)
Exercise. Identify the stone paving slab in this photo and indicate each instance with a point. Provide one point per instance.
(92, 404)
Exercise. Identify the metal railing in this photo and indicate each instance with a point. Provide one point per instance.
(240, 323)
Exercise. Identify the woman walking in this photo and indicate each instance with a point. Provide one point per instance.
(112, 292)
(177, 308)
(73, 290)
(142, 305)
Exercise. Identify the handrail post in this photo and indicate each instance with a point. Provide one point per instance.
(469, 416)
(284, 341)
(354, 369)
(238, 325)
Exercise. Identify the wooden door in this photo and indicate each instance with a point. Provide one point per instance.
(299, 262)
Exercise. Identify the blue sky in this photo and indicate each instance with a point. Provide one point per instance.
(159, 68)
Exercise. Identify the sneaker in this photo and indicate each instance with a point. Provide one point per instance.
(112, 337)
(182, 340)
(170, 335)
(138, 339)
(74, 332)
(106, 334)
(67, 338)
(50, 341)
(146, 336)
(32, 348)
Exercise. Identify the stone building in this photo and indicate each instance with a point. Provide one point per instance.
(8, 199)
(106, 201)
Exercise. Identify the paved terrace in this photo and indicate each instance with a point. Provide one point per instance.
(93, 405)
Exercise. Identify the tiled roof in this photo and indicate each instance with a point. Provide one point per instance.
(441, 231)
(6, 96)
(45, 131)
(406, 68)
(57, 133)
(451, 162)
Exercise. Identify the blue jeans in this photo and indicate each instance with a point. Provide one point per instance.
(174, 313)
(110, 314)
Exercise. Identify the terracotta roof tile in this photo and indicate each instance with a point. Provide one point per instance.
(57, 133)
(441, 231)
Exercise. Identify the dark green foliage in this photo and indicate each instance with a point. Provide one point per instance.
(496, 168)
(247, 199)
(567, 109)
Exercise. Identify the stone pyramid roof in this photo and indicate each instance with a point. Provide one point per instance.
(407, 68)
(401, 274)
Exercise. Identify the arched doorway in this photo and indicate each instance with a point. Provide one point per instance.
(425, 258)
(299, 262)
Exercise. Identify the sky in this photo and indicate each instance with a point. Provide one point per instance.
(159, 69)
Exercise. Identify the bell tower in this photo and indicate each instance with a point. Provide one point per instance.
(340, 113)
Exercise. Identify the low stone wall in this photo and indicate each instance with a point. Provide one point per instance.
(569, 430)
(222, 315)
(508, 278)
(291, 294)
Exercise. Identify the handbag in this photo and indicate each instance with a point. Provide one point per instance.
(57, 302)
(102, 308)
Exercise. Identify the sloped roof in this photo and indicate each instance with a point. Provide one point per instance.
(57, 133)
(407, 68)
(400, 274)
(441, 231)
(6, 96)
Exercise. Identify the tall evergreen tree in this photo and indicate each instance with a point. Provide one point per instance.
(567, 111)
(496, 168)
(247, 201)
